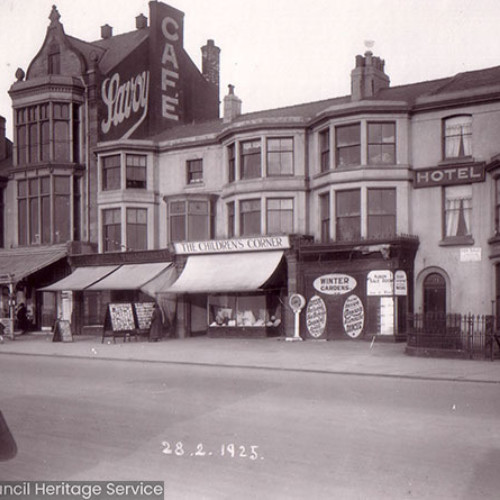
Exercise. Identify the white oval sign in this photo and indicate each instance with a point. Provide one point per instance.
(353, 316)
(335, 284)
(316, 316)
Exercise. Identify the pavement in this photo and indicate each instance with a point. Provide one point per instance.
(341, 357)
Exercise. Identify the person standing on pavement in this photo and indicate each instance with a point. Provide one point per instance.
(22, 318)
(156, 329)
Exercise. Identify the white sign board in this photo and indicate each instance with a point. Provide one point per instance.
(259, 243)
(334, 284)
(379, 283)
(470, 254)
(400, 283)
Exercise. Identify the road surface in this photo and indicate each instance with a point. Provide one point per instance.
(221, 433)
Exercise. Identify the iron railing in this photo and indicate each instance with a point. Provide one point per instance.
(471, 335)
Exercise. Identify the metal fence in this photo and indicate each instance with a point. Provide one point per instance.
(469, 335)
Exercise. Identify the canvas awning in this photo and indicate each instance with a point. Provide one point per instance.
(81, 278)
(131, 276)
(16, 264)
(238, 272)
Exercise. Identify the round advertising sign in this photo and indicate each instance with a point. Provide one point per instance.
(297, 302)
(316, 316)
(353, 316)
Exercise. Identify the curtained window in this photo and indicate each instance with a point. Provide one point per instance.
(458, 211)
(458, 137)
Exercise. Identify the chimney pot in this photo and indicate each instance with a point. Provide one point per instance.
(106, 31)
(141, 22)
(232, 105)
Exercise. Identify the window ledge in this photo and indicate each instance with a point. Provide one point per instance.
(494, 239)
(458, 160)
(456, 241)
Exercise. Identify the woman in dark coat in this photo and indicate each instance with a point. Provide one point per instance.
(156, 329)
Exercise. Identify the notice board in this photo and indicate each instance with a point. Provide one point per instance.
(144, 314)
(62, 331)
(121, 317)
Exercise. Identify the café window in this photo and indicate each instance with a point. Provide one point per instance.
(280, 156)
(348, 145)
(348, 212)
(250, 159)
(231, 220)
(111, 230)
(250, 217)
(111, 178)
(245, 310)
(190, 220)
(324, 215)
(231, 161)
(135, 171)
(458, 137)
(47, 132)
(324, 150)
(279, 215)
(194, 172)
(458, 213)
(137, 229)
(381, 143)
(47, 209)
(381, 212)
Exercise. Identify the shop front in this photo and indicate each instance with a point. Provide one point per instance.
(357, 292)
(232, 288)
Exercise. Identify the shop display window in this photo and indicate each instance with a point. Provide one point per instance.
(252, 310)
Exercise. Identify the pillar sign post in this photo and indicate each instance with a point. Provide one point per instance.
(297, 303)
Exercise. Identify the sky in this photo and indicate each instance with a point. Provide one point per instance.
(280, 52)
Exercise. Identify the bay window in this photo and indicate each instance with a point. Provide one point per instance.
(348, 215)
(250, 159)
(250, 213)
(137, 229)
(381, 143)
(191, 220)
(279, 215)
(111, 230)
(381, 212)
(280, 156)
(348, 145)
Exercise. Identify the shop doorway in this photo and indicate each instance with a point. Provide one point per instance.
(435, 302)
(198, 305)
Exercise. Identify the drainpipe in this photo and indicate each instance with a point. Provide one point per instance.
(87, 158)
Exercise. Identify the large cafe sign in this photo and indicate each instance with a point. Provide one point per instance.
(448, 176)
(259, 243)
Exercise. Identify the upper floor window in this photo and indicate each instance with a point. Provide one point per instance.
(280, 156)
(324, 217)
(48, 132)
(348, 145)
(231, 159)
(194, 172)
(190, 220)
(250, 217)
(381, 212)
(54, 60)
(458, 137)
(111, 230)
(497, 206)
(135, 171)
(458, 212)
(381, 143)
(279, 215)
(111, 178)
(348, 212)
(231, 220)
(324, 150)
(250, 159)
(137, 229)
(48, 209)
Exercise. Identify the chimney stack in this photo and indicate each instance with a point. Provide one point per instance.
(368, 77)
(232, 105)
(210, 62)
(141, 22)
(106, 31)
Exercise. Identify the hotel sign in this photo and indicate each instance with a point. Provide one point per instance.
(449, 176)
(256, 244)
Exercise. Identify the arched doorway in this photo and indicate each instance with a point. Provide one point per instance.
(435, 302)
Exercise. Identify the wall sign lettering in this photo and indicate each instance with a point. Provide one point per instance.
(316, 316)
(379, 283)
(335, 284)
(353, 316)
(449, 176)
